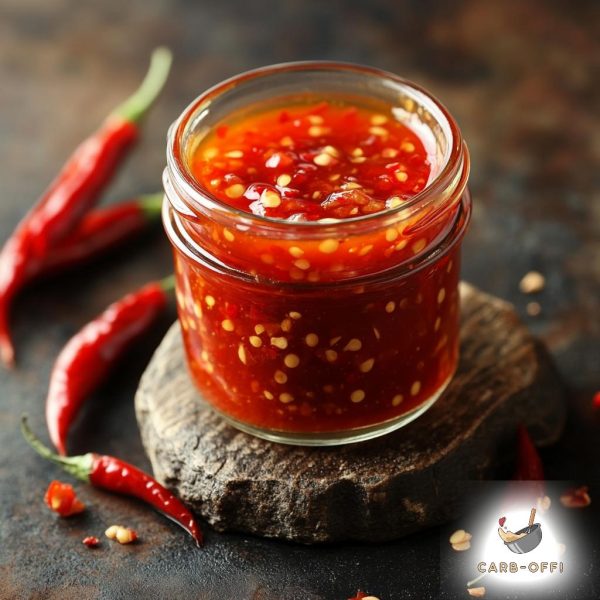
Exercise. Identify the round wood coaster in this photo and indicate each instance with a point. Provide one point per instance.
(378, 490)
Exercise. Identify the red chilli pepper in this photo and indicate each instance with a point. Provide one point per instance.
(101, 230)
(74, 191)
(112, 474)
(91, 353)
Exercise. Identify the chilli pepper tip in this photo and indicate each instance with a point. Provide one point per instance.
(7, 351)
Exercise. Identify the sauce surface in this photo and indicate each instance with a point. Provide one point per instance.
(309, 162)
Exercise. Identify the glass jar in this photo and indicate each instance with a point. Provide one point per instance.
(367, 338)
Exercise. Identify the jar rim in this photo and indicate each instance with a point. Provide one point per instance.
(455, 160)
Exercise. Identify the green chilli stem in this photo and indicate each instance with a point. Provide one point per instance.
(137, 105)
(168, 283)
(151, 205)
(78, 466)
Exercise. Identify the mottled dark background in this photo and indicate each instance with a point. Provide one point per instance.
(522, 79)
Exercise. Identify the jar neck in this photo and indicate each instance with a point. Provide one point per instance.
(195, 216)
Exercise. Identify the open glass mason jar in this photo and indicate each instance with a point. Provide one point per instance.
(322, 331)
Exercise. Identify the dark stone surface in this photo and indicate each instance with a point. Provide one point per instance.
(380, 490)
(520, 76)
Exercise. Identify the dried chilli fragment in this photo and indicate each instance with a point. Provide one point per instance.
(477, 592)
(61, 498)
(91, 541)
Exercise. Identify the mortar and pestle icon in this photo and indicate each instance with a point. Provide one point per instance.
(524, 540)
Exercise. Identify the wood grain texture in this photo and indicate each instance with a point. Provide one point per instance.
(372, 491)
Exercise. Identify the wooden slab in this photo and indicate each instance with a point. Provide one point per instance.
(373, 491)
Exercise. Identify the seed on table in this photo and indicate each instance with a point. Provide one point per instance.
(295, 251)
(126, 536)
(354, 345)
(312, 339)
(328, 246)
(235, 191)
(397, 399)
(459, 536)
(228, 325)
(390, 307)
(279, 342)
(533, 309)
(286, 398)
(291, 361)
(280, 377)
(462, 546)
(367, 365)
(255, 341)
(283, 180)
(477, 592)
(532, 283)
(415, 388)
(357, 396)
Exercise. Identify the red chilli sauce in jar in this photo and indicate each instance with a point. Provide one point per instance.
(317, 249)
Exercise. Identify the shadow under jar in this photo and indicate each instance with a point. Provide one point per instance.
(316, 211)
